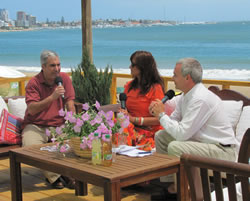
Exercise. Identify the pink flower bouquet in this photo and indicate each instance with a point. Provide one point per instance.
(85, 124)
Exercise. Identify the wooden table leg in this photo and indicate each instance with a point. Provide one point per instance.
(179, 193)
(15, 178)
(112, 191)
(81, 188)
(183, 187)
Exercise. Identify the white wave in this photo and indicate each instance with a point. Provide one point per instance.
(218, 74)
(33, 68)
(232, 74)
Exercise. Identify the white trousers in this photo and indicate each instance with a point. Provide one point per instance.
(166, 144)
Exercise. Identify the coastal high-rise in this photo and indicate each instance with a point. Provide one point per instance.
(25, 20)
(21, 20)
(31, 20)
(21, 16)
(4, 15)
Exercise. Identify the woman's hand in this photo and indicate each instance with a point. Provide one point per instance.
(124, 111)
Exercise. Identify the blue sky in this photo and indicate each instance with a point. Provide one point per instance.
(180, 10)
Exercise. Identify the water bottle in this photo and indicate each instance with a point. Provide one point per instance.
(115, 145)
(107, 151)
(96, 150)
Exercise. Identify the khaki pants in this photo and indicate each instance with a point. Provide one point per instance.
(166, 144)
(33, 134)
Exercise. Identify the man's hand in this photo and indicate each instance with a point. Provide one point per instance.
(156, 107)
(59, 91)
(36, 107)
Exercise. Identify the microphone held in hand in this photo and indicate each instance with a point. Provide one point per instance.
(169, 95)
(123, 98)
(59, 82)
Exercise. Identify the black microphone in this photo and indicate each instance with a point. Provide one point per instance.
(123, 98)
(169, 95)
(59, 82)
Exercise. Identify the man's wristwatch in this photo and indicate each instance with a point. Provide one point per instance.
(161, 115)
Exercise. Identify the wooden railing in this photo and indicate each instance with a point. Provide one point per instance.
(224, 84)
(21, 83)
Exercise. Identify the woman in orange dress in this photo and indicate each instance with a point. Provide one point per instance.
(145, 87)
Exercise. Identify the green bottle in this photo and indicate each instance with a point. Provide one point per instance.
(96, 150)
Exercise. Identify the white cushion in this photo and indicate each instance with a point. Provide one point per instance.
(3, 105)
(225, 193)
(233, 111)
(17, 107)
(243, 125)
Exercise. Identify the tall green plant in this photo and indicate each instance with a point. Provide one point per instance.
(90, 84)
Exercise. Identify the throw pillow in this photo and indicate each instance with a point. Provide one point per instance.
(17, 107)
(243, 125)
(10, 131)
(233, 111)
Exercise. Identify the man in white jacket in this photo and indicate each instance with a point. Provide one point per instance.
(198, 124)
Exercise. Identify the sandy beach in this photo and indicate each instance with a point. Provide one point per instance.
(12, 30)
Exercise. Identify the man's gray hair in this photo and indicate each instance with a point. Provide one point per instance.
(46, 54)
(192, 67)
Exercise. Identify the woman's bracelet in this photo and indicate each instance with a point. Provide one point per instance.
(142, 120)
(139, 120)
(136, 120)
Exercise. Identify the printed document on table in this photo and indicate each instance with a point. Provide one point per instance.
(132, 151)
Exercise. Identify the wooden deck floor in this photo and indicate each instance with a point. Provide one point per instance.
(35, 188)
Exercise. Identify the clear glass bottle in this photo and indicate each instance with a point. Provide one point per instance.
(107, 151)
(115, 145)
(96, 150)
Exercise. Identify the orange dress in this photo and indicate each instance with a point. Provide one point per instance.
(137, 105)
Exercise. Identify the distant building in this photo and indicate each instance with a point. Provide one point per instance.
(11, 23)
(21, 16)
(1, 23)
(4, 15)
(20, 19)
(31, 20)
(25, 20)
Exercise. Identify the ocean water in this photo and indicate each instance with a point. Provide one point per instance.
(222, 48)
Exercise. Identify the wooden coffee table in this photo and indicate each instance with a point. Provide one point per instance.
(124, 171)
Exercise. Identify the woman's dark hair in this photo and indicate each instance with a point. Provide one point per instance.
(145, 62)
